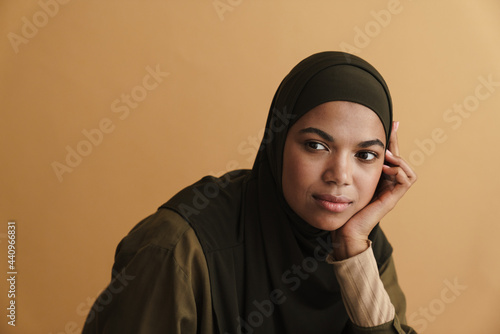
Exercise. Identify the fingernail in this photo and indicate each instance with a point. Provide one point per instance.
(389, 152)
(396, 126)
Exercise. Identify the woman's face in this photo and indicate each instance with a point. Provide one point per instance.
(332, 163)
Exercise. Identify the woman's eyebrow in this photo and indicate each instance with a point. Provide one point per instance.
(329, 138)
(368, 143)
(319, 132)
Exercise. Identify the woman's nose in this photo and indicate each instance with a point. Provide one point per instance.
(338, 170)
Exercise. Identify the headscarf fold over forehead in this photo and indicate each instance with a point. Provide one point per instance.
(345, 83)
(322, 77)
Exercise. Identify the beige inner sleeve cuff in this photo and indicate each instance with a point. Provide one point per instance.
(363, 293)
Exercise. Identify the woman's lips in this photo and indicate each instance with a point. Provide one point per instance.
(333, 203)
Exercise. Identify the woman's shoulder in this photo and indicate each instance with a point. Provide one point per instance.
(214, 207)
(164, 235)
(159, 265)
(163, 229)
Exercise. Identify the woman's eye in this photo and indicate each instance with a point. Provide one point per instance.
(367, 156)
(315, 146)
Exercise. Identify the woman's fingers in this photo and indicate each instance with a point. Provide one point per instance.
(395, 162)
(399, 177)
(393, 140)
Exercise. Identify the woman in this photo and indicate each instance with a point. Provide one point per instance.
(291, 246)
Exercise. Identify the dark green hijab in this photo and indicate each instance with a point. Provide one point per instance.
(266, 265)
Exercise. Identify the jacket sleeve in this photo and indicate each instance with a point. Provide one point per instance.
(159, 283)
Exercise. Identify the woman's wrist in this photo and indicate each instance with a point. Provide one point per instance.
(344, 249)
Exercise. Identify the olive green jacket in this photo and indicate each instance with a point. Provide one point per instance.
(160, 284)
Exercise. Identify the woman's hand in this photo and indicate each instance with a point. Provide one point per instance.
(397, 177)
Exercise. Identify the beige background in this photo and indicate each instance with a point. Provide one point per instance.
(64, 77)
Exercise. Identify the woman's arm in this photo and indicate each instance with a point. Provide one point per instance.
(374, 301)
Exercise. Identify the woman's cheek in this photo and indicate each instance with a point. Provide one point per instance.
(368, 185)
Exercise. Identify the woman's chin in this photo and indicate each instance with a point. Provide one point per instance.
(328, 224)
